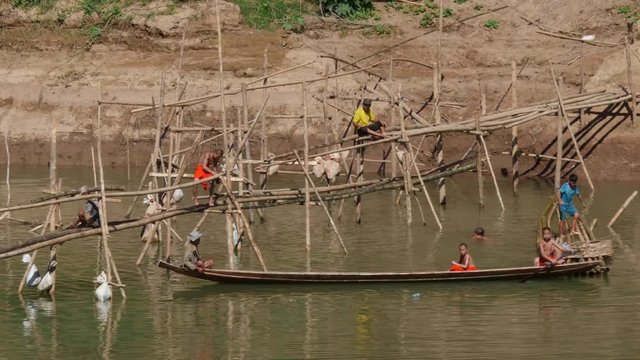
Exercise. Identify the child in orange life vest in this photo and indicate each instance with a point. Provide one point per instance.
(465, 263)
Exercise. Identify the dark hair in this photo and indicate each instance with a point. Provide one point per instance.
(464, 244)
(218, 152)
(366, 102)
(546, 228)
(573, 178)
(478, 231)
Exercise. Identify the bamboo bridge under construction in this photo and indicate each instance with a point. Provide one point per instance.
(583, 121)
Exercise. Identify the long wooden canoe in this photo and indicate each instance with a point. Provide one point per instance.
(274, 277)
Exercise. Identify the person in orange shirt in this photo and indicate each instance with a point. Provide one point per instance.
(465, 263)
(365, 121)
(205, 168)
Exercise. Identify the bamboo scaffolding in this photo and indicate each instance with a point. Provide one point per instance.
(287, 197)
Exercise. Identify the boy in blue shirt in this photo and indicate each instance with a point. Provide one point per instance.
(565, 200)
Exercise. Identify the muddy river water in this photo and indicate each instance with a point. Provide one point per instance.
(167, 316)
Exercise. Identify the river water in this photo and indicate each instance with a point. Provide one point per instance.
(169, 316)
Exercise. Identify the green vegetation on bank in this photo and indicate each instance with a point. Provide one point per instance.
(273, 14)
(630, 12)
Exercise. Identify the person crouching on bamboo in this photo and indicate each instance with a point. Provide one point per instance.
(206, 168)
(88, 215)
(465, 263)
(192, 259)
(365, 121)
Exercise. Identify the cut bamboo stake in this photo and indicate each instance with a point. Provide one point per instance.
(515, 156)
(307, 198)
(227, 168)
(622, 209)
(326, 210)
(630, 80)
(573, 138)
(102, 208)
(593, 225)
(493, 174)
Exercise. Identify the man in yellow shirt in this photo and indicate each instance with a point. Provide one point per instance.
(365, 121)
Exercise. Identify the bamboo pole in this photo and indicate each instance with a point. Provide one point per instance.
(326, 210)
(7, 182)
(406, 166)
(479, 174)
(360, 177)
(247, 149)
(559, 143)
(140, 185)
(56, 208)
(394, 156)
(225, 139)
(424, 190)
(630, 80)
(305, 166)
(247, 226)
(442, 191)
(263, 130)
(622, 209)
(573, 137)
(102, 208)
(515, 155)
(581, 111)
(493, 174)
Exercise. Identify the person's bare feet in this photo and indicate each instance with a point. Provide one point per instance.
(195, 200)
